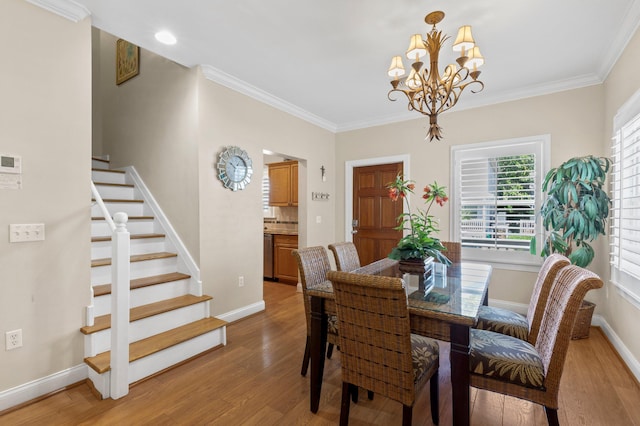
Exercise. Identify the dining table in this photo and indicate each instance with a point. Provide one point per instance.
(444, 309)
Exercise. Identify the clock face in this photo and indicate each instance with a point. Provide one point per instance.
(234, 168)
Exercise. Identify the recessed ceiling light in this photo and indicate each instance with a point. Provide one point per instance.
(166, 37)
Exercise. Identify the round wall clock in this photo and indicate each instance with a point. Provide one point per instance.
(234, 168)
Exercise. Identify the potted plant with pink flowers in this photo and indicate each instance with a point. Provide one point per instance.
(421, 241)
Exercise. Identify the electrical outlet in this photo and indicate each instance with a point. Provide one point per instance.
(13, 339)
(240, 281)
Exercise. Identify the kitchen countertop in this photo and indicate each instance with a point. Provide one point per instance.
(280, 232)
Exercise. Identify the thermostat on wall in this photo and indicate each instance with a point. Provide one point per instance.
(10, 164)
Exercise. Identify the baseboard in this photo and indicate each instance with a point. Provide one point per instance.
(597, 320)
(43, 386)
(632, 363)
(240, 313)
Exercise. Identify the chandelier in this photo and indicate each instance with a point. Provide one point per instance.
(427, 91)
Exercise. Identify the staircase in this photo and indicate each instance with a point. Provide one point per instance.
(169, 318)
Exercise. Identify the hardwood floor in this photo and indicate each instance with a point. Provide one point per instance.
(256, 379)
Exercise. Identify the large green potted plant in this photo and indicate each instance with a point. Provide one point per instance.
(576, 208)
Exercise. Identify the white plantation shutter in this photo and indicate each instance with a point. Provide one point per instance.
(625, 196)
(497, 197)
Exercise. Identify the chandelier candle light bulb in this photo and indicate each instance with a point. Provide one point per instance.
(426, 91)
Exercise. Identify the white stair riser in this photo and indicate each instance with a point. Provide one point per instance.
(100, 228)
(147, 327)
(102, 249)
(117, 192)
(159, 361)
(97, 164)
(102, 274)
(144, 295)
(131, 209)
(107, 177)
(173, 355)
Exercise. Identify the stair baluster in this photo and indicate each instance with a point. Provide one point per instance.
(120, 273)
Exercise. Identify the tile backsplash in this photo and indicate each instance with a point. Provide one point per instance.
(286, 219)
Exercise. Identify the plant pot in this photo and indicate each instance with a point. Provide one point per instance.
(423, 268)
(583, 321)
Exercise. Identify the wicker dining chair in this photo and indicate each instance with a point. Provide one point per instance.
(453, 252)
(510, 366)
(313, 264)
(346, 256)
(514, 324)
(378, 351)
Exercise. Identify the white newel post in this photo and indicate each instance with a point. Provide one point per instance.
(119, 385)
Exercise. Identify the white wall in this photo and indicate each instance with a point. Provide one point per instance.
(149, 122)
(572, 118)
(45, 116)
(623, 81)
(231, 223)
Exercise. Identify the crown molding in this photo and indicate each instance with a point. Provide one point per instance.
(233, 83)
(471, 102)
(66, 8)
(627, 29)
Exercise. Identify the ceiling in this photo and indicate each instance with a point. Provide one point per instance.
(326, 61)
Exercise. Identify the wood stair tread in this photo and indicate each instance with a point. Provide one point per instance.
(135, 258)
(137, 350)
(123, 185)
(102, 289)
(118, 200)
(130, 218)
(103, 322)
(132, 237)
(95, 169)
(99, 159)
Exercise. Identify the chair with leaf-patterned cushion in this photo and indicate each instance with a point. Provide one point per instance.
(345, 255)
(313, 264)
(511, 366)
(514, 324)
(453, 251)
(377, 349)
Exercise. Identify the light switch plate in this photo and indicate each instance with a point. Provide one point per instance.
(20, 233)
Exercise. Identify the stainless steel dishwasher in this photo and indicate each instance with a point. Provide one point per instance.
(268, 256)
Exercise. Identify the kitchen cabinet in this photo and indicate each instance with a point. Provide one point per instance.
(285, 267)
(283, 184)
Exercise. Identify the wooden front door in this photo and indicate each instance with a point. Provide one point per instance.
(374, 211)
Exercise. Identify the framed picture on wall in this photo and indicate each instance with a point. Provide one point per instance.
(127, 61)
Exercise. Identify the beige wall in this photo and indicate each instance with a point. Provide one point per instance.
(572, 118)
(45, 116)
(171, 124)
(231, 223)
(622, 83)
(149, 122)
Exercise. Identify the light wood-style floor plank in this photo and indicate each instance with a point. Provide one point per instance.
(255, 380)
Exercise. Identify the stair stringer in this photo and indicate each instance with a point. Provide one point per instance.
(186, 263)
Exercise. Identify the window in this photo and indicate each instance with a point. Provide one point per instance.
(625, 197)
(496, 198)
(267, 210)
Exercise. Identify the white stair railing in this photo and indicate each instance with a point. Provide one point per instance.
(120, 279)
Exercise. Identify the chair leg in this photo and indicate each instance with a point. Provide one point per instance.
(552, 416)
(344, 404)
(306, 357)
(434, 397)
(370, 395)
(329, 350)
(407, 414)
(353, 390)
